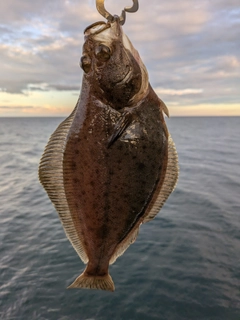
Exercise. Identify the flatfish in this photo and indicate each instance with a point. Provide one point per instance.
(111, 165)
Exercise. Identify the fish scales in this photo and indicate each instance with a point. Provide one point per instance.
(111, 165)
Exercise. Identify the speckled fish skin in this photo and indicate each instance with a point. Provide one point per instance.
(111, 165)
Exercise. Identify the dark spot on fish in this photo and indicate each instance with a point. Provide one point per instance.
(141, 166)
(92, 183)
(76, 151)
(106, 207)
(74, 165)
(83, 192)
(120, 147)
(94, 205)
(75, 180)
(91, 228)
(104, 230)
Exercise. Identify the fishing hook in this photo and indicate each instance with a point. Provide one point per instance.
(101, 9)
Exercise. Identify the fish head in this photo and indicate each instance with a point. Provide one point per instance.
(112, 66)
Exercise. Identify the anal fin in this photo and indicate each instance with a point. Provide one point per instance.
(169, 182)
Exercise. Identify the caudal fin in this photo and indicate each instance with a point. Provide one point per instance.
(93, 282)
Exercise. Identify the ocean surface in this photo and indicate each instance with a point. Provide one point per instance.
(185, 264)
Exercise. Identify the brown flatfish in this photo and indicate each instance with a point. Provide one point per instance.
(111, 165)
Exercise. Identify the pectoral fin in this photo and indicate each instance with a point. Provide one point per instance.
(164, 108)
(120, 127)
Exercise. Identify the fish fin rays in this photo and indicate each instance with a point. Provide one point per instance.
(51, 177)
(164, 108)
(93, 282)
(120, 127)
(122, 247)
(169, 182)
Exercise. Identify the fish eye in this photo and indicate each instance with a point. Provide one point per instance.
(85, 63)
(102, 52)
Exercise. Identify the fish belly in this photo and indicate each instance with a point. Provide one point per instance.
(109, 189)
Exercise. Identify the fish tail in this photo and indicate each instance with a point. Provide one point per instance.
(93, 282)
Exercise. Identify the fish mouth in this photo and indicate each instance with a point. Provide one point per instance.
(125, 79)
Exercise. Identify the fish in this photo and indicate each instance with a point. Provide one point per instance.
(110, 166)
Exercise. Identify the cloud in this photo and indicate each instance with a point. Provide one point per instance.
(191, 49)
(49, 87)
(61, 87)
(174, 92)
(16, 107)
(16, 111)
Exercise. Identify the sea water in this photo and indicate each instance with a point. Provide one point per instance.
(185, 264)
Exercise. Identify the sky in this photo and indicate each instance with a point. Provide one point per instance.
(191, 50)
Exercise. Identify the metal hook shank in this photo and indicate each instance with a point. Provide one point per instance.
(101, 9)
(134, 8)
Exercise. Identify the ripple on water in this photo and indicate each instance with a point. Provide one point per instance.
(184, 264)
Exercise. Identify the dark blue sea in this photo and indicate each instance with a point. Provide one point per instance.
(185, 264)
